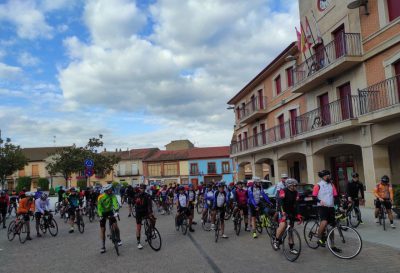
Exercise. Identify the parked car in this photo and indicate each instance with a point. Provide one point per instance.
(306, 203)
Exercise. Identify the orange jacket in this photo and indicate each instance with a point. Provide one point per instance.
(384, 191)
(25, 205)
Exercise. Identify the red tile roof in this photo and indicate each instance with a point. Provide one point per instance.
(209, 152)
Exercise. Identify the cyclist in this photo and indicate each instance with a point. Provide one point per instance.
(209, 200)
(163, 195)
(287, 210)
(219, 206)
(281, 184)
(353, 188)
(130, 195)
(74, 204)
(42, 207)
(257, 201)
(241, 199)
(13, 201)
(143, 209)
(108, 207)
(326, 194)
(60, 193)
(22, 192)
(192, 199)
(38, 193)
(26, 207)
(384, 196)
(182, 204)
(4, 203)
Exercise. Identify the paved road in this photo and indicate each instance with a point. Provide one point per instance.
(194, 253)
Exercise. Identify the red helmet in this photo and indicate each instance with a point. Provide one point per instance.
(231, 184)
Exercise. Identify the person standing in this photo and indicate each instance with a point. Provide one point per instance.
(4, 202)
(354, 187)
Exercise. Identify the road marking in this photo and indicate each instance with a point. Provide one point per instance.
(210, 261)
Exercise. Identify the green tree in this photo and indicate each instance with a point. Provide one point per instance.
(23, 182)
(43, 183)
(11, 159)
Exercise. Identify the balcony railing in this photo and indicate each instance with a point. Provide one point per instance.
(380, 96)
(254, 105)
(330, 114)
(346, 44)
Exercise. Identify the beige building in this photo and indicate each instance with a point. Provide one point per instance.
(335, 106)
(176, 145)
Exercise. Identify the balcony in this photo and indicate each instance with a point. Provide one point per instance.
(380, 101)
(253, 110)
(336, 116)
(328, 62)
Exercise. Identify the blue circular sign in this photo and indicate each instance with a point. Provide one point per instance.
(89, 163)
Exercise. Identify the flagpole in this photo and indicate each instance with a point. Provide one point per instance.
(302, 30)
(319, 36)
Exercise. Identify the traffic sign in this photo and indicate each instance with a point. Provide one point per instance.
(89, 163)
(89, 172)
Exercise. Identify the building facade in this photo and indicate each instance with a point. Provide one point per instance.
(334, 106)
(210, 164)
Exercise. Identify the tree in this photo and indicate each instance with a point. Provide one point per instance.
(11, 159)
(71, 160)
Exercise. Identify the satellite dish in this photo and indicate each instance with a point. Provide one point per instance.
(359, 3)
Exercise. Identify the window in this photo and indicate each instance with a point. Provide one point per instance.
(278, 85)
(325, 111)
(154, 169)
(122, 169)
(293, 121)
(260, 98)
(238, 112)
(170, 169)
(194, 169)
(393, 9)
(35, 170)
(211, 168)
(264, 137)
(281, 121)
(135, 170)
(253, 103)
(289, 75)
(255, 136)
(340, 42)
(21, 172)
(225, 167)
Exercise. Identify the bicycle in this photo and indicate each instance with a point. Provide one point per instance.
(237, 220)
(18, 227)
(353, 215)
(182, 221)
(382, 214)
(217, 225)
(12, 210)
(92, 212)
(229, 211)
(47, 222)
(206, 223)
(113, 235)
(349, 239)
(200, 204)
(79, 220)
(152, 235)
(291, 253)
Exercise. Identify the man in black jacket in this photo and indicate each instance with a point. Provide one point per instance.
(353, 188)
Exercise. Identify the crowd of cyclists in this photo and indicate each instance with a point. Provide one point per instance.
(247, 199)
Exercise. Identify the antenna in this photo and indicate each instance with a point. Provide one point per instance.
(358, 3)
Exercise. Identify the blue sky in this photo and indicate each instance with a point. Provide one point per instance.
(141, 73)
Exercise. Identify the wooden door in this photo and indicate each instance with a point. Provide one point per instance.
(260, 99)
(255, 137)
(264, 138)
(281, 121)
(397, 72)
(293, 120)
(325, 111)
(340, 41)
(345, 101)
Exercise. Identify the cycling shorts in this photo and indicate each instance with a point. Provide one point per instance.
(107, 214)
(221, 212)
(244, 208)
(386, 203)
(327, 214)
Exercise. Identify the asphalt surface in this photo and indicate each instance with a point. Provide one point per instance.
(195, 252)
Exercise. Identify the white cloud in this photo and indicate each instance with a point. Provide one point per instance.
(29, 20)
(8, 72)
(26, 59)
(62, 28)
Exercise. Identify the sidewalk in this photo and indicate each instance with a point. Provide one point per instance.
(373, 232)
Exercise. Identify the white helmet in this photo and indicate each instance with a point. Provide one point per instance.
(291, 182)
(107, 187)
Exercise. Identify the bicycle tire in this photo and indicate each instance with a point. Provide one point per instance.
(114, 240)
(228, 214)
(11, 231)
(81, 224)
(22, 232)
(286, 249)
(199, 208)
(53, 227)
(353, 218)
(43, 225)
(237, 223)
(66, 217)
(56, 205)
(217, 223)
(206, 225)
(352, 238)
(310, 233)
(184, 225)
(153, 237)
(259, 227)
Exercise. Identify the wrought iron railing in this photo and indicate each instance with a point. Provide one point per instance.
(380, 95)
(346, 44)
(254, 105)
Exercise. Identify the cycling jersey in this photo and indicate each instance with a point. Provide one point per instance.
(384, 191)
(74, 201)
(107, 203)
(287, 201)
(182, 199)
(143, 203)
(353, 188)
(14, 198)
(42, 206)
(325, 193)
(220, 199)
(191, 195)
(255, 194)
(241, 196)
(209, 198)
(25, 205)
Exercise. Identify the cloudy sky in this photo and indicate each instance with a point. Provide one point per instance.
(140, 72)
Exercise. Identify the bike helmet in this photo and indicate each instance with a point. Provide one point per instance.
(323, 173)
(44, 197)
(231, 184)
(385, 179)
(291, 182)
(2, 193)
(284, 176)
(29, 194)
(354, 174)
(72, 189)
(107, 187)
(190, 185)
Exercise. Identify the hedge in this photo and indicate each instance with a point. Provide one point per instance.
(23, 182)
(43, 183)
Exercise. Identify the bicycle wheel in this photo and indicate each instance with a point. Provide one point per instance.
(11, 231)
(238, 223)
(56, 206)
(345, 239)
(259, 226)
(291, 250)
(353, 218)
(42, 225)
(53, 227)
(114, 240)
(91, 215)
(81, 224)
(228, 214)
(154, 239)
(200, 207)
(310, 233)
(23, 232)
(206, 225)
(66, 217)
(217, 223)
(184, 225)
